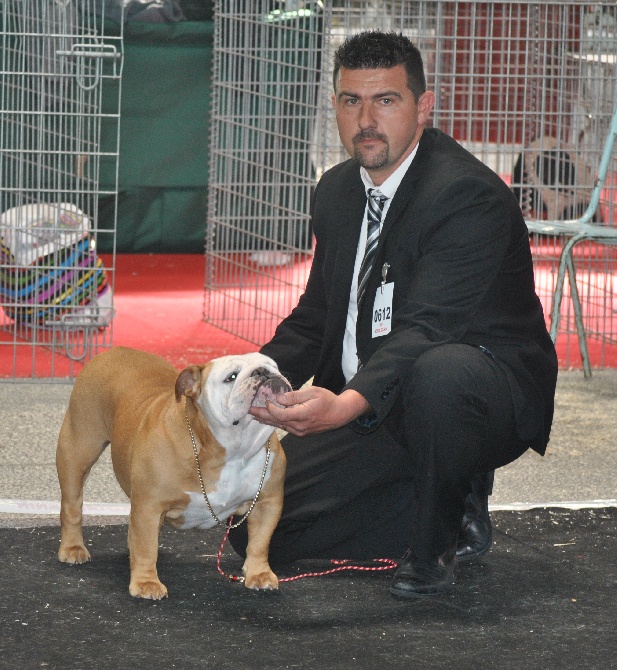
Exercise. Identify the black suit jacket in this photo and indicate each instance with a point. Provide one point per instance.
(459, 256)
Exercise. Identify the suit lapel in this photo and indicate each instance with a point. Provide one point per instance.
(350, 203)
(348, 232)
(405, 193)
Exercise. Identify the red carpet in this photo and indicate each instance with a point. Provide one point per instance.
(159, 303)
(159, 307)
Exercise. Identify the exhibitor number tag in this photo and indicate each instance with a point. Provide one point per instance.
(382, 310)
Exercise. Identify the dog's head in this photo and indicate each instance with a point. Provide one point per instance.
(226, 387)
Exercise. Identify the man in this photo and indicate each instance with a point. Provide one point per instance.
(422, 329)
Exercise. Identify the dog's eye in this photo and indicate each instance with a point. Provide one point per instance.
(232, 378)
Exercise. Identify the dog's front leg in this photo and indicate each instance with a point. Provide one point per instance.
(261, 524)
(145, 523)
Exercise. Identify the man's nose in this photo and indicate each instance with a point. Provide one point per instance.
(366, 119)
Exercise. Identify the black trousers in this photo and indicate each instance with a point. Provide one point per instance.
(359, 496)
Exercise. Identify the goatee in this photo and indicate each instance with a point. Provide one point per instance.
(373, 161)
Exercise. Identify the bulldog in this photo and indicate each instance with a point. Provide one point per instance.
(184, 448)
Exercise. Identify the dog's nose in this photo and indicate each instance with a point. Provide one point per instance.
(269, 388)
(277, 385)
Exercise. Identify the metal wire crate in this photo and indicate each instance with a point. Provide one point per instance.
(264, 105)
(56, 293)
(528, 87)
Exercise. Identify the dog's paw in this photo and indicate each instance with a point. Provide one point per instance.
(74, 555)
(151, 589)
(262, 581)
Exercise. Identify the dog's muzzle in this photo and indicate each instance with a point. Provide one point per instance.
(269, 386)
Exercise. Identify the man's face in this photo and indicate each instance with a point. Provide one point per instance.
(378, 120)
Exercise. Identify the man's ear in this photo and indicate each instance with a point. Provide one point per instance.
(426, 102)
(188, 382)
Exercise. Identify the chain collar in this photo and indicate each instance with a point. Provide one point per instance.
(203, 488)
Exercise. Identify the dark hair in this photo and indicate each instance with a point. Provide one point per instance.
(373, 49)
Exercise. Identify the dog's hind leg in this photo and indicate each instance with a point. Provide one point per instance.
(76, 453)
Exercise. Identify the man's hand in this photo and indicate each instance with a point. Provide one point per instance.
(312, 409)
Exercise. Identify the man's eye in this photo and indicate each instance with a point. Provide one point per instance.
(232, 378)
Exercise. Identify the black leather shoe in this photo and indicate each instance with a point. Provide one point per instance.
(476, 533)
(422, 578)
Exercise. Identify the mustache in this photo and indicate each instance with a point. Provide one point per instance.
(369, 135)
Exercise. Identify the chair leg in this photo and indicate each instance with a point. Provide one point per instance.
(566, 263)
(557, 297)
(578, 317)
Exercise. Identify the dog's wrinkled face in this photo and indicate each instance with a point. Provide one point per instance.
(226, 387)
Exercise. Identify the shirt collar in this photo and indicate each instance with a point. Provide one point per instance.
(389, 187)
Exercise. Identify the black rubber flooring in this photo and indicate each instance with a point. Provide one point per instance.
(544, 597)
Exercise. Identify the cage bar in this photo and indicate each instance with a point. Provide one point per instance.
(56, 292)
(528, 87)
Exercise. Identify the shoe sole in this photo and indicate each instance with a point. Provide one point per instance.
(470, 557)
(418, 595)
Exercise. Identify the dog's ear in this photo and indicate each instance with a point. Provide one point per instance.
(189, 382)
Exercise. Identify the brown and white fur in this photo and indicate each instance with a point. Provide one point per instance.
(135, 401)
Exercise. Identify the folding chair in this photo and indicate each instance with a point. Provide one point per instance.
(579, 230)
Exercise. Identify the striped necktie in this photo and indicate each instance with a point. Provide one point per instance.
(376, 202)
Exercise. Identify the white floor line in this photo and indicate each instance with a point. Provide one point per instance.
(8, 506)
(564, 504)
(32, 507)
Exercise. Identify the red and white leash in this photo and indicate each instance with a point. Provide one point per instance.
(341, 564)
(388, 564)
